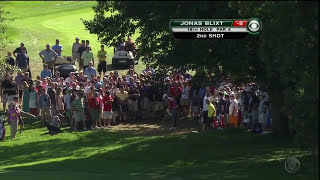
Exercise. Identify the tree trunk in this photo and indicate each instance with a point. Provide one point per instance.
(280, 123)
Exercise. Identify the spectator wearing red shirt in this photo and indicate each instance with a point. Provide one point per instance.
(175, 92)
(173, 108)
(107, 101)
(94, 103)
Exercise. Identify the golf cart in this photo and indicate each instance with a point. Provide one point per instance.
(124, 57)
(65, 65)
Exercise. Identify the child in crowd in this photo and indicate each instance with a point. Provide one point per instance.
(33, 101)
(14, 117)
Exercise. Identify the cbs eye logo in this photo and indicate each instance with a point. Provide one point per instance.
(254, 26)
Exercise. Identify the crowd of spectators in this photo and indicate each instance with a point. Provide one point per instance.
(89, 99)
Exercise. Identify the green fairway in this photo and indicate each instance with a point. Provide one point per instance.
(145, 151)
(139, 150)
(40, 22)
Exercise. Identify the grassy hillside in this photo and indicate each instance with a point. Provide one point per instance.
(40, 22)
(148, 150)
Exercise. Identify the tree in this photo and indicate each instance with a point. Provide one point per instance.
(279, 59)
(3, 36)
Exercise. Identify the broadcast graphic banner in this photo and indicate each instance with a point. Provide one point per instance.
(214, 28)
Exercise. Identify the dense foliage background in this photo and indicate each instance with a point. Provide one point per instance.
(283, 58)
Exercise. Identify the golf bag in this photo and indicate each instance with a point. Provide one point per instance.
(2, 129)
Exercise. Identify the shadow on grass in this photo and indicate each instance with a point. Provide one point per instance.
(211, 155)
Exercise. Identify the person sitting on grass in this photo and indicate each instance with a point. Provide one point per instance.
(53, 127)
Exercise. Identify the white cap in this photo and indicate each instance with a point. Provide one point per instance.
(164, 96)
(231, 94)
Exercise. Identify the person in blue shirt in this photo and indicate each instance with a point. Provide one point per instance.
(46, 72)
(90, 70)
(57, 48)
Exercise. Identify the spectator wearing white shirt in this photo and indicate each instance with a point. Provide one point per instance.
(233, 110)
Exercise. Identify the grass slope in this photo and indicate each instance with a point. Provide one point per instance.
(40, 22)
(148, 150)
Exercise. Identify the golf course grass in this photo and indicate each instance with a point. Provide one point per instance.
(140, 150)
(40, 22)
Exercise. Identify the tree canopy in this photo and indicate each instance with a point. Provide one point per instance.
(283, 58)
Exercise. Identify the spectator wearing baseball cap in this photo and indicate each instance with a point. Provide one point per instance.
(75, 48)
(87, 57)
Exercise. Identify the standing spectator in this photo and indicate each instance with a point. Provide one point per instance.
(67, 106)
(4, 91)
(123, 101)
(226, 109)
(211, 113)
(233, 110)
(12, 90)
(102, 57)
(220, 107)
(134, 95)
(205, 111)
(13, 118)
(45, 72)
(9, 59)
(57, 47)
(90, 70)
(147, 70)
(78, 109)
(185, 98)
(201, 94)
(173, 108)
(48, 57)
(33, 101)
(81, 49)
(95, 109)
(59, 101)
(22, 60)
(44, 105)
(88, 44)
(87, 57)
(19, 79)
(52, 94)
(107, 109)
(26, 78)
(26, 97)
(130, 46)
(18, 50)
(262, 111)
(195, 104)
(75, 53)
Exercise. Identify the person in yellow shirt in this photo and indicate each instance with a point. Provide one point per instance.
(211, 114)
(123, 97)
(102, 57)
(87, 57)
